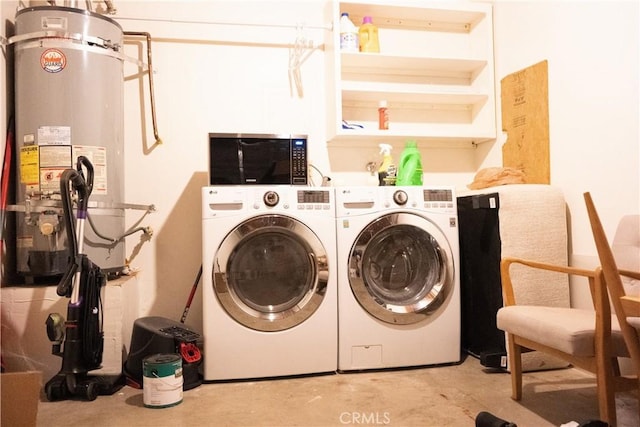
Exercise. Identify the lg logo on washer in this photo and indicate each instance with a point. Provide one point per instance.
(365, 418)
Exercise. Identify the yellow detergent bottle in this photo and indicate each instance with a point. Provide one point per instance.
(368, 35)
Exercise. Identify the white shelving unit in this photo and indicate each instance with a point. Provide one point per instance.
(434, 69)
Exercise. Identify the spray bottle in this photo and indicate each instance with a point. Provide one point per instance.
(410, 167)
(387, 170)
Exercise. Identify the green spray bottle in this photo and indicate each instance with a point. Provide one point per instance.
(410, 166)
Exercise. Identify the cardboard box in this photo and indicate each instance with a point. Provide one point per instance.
(20, 396)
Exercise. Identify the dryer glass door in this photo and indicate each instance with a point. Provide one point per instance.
(270, 273)
(401, 268)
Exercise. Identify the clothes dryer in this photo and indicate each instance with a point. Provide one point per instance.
(398, 277)
(269, 281)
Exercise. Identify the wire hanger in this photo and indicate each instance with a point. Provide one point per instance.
(298, 54)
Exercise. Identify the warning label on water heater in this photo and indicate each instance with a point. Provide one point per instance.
(29, 166)
(41, 166)
(54, 159)
(98, 158)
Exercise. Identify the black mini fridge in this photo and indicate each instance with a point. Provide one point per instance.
(480, 284)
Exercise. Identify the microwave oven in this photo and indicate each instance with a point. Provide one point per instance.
(239, 159)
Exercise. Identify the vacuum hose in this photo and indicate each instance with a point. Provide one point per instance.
(83, 188)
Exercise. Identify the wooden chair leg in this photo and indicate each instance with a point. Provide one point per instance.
(606, 389)
(638, 391)
(515, 366)
(616, 366)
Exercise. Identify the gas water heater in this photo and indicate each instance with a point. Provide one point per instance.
(68, 103)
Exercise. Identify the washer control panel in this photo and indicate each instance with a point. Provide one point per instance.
(314, 199)
(294, 199)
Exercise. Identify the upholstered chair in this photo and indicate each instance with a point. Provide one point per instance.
(588, 339)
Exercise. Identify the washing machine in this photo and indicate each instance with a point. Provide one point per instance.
(269, 281)
(398, 277)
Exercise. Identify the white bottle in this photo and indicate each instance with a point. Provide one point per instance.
(348, 34)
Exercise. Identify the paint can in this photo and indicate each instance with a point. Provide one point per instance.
(162, 380)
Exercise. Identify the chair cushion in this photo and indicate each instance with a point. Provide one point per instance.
(570, 330)
(626, 250)
(635, 322)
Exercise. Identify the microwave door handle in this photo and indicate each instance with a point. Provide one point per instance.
(242, 144)
(241, 162)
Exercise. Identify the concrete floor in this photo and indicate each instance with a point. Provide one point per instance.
(434, 396)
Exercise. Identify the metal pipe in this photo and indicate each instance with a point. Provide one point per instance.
(151, 90)
(111, 9)
(328, 27)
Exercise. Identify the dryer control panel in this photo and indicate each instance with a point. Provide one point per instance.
(433, 195)
(438, 198)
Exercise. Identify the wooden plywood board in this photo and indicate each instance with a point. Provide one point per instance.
(525, 119)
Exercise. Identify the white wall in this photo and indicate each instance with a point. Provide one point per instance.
(593, 49)
(593, 52)
(209, 78)
(214, 78)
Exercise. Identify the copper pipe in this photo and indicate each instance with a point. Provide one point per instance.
(111, 9)
(151, 90)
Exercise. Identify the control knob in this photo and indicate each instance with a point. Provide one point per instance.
(400, 197)
(271, 198)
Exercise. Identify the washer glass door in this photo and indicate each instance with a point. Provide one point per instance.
(270, 273)
(400, 268)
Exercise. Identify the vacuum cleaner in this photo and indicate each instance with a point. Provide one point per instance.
(80, 339)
